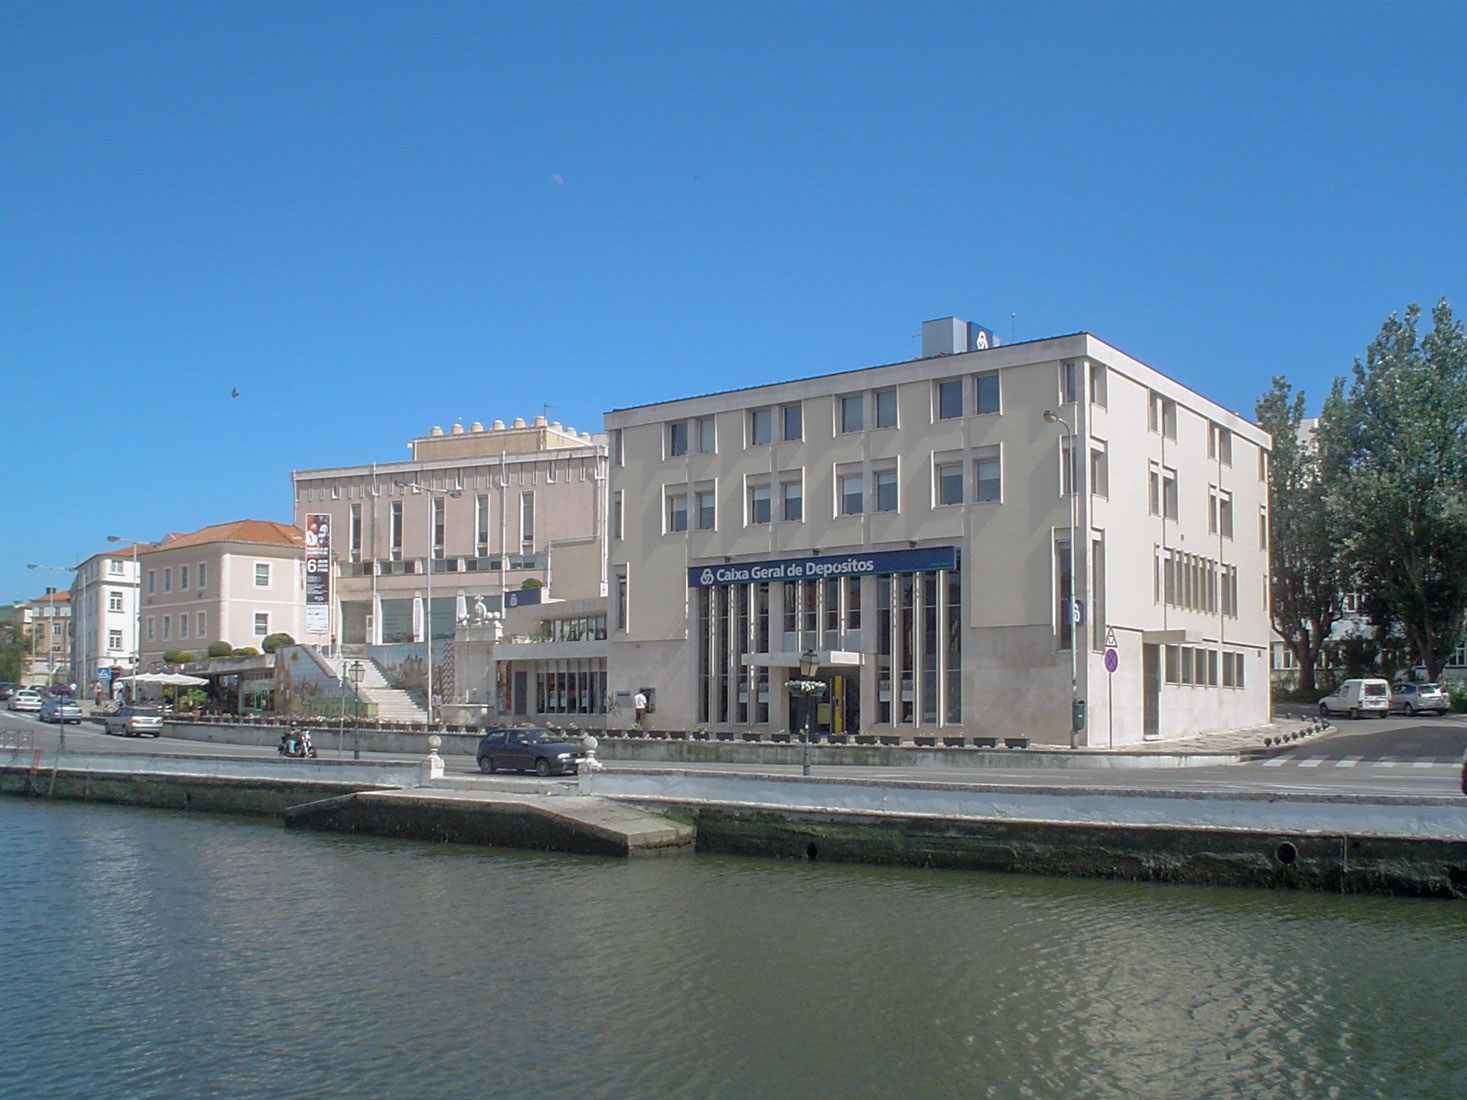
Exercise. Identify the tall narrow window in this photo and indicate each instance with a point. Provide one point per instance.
(886, 408)
(677, 438)
(353, 535)
(949, 483)
(262, 574)
(985, 392)
(706, 510)
(438, 524)
(950, 399)
(1067, 382)
(1067, 465)
(852, 502)
(527, 523)
(759, 511)
(394, 531)
(182, 577)
(620, 604)
(987, 475)
(616, 514)
(481, 524)
(203, 575)
(677, 512)
(1099, 469)
(852, 413)
(706, 438)
(760, 426)
(1097, 384)
(794, 422)
(793, 494)
(886, 490)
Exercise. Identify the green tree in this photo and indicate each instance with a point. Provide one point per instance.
(1305, 567)
(1402, 508)
(14, 645)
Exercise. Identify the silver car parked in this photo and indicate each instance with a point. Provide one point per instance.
(135, 720)
(1411, 698)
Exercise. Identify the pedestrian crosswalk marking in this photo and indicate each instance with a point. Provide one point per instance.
(1277, 761)
(1386, 762)
(1312, 762)
(1423, 763)
(1347, 762)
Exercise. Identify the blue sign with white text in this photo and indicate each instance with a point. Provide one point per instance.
(980, 338)
(869, 563)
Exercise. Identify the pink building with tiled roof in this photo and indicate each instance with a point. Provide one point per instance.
(236, 582)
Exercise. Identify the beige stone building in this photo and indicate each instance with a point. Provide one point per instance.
(236, 582)
(488, 509)
(910, 524)
(47, 621)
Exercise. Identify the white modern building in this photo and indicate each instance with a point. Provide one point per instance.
(487, 509)
(909, 527)
(104, 599)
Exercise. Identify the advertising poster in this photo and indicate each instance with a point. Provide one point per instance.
(318, 572)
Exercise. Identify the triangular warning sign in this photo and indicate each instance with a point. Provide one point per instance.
(1110, 637)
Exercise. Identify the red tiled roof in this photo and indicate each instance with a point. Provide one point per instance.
(258, 531)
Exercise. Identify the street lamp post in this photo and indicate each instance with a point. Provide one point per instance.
(417, 487)
(1052, 417)
(355, 673)
(137, 617)
(806, 687)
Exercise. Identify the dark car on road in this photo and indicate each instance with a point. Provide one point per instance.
(522, 750)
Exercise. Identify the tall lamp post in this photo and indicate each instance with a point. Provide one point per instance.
(137, 617)
(805, 687)
(417, 487)
(1068, 480)
(356, 673)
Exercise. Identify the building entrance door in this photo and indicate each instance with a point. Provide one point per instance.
(1151, 692)
(521, 693)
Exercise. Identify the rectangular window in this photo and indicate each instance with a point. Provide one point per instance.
(794, 423)
(262, 623)
(1263, 528)
(150, 581)
(985, 392)
(759, 504)
(852, 413)
(706, 438)
(950, 399)
(1225, 514)
(201, 624)
(1099, 469)
(438, 521)
(353, 535)
(182, 577)
(1097, 384)
(183, 627)
(886, 408)
(616, 514)
(793, 493)
(114, 567)
(677, 438)
(619, 609)
(262, 574)
(201, 575)
(114, 600)
(760, 426)
(1067, 382)
(149, 630)
(527, 523)
(706, 513)
(167, 627)
(886, 490)
(987, 475)
(114, 639)
(1169, 493)
(394, 531)
(1063, 590)
(481, 525)
(1067, 465)
(949, 483)
(677, 512)
(168, 579)
(849, 486)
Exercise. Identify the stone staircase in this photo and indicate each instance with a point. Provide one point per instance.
(393, 704)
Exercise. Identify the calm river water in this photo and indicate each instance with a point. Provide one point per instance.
(151, 954)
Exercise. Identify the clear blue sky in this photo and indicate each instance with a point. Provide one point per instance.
(371, 218)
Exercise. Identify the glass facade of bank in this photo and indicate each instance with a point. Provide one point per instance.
(889, 646)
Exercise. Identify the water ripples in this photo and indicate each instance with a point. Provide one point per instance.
(182, 956)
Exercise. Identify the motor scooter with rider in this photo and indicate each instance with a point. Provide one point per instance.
(296, 742)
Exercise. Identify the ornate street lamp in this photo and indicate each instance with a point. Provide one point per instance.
(805, 687)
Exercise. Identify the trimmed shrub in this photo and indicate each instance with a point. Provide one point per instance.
(178, 656)
(275, 641)
(220, 649)
(245, 651)
(532, 582)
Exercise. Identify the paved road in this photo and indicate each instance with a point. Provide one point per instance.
(1394, 756)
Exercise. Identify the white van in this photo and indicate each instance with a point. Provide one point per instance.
(1357, 697)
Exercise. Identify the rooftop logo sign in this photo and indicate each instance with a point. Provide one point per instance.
(824, 566)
